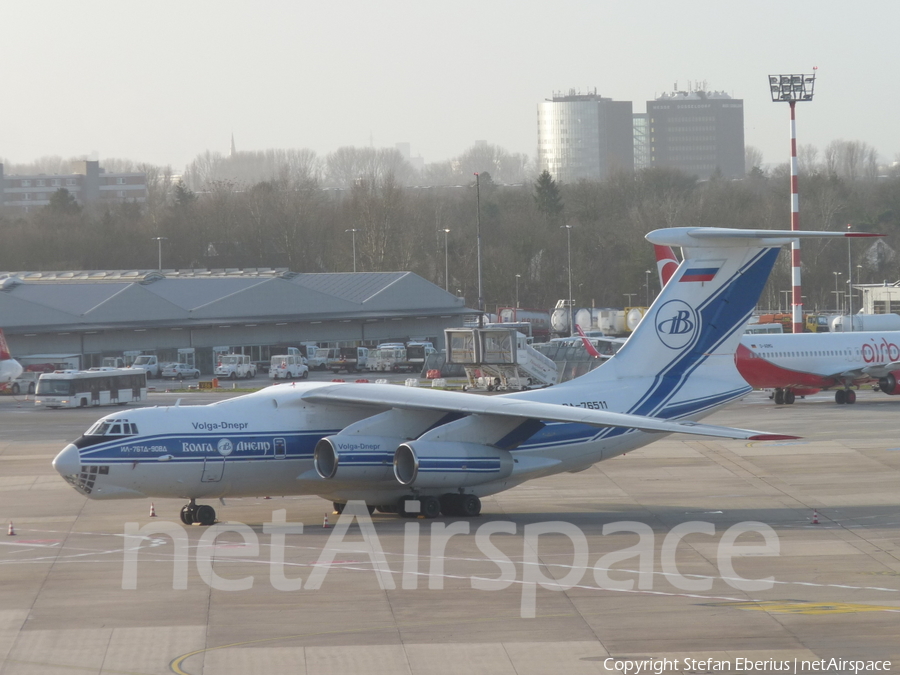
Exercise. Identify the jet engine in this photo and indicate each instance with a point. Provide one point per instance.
(351, 457)
(443, 464)
(890, 383)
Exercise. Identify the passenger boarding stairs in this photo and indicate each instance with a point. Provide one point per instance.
(498, 358)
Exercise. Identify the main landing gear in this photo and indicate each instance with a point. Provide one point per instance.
(412, 506)
(784, 396)
(847, 396)
(202, 514)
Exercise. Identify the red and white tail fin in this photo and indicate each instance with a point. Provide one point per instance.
(666, 263)
(587, 343)
(4, 348)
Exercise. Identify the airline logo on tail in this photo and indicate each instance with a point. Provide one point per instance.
(678, 325)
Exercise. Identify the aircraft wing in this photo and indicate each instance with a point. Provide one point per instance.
(380, 396)
(881, 370)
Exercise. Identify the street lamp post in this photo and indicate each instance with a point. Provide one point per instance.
(478, 247)
(159, 241)
(518, 276)
(836, 296)
(647, 274)
(790, 89)
(446, 261)
(353, 231)
(568, 229)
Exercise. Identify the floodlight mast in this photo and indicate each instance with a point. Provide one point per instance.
(793, 88)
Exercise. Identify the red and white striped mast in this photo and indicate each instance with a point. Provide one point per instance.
(793, 88)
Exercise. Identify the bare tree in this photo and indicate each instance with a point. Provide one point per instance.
(753, 158)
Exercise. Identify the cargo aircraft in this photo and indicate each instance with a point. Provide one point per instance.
(10, 369)
(426, 452)
(802, 364)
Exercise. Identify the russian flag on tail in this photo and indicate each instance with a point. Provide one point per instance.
(699, 274)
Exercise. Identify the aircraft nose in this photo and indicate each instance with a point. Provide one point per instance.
(67, 462)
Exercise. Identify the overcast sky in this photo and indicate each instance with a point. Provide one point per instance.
(163, 81)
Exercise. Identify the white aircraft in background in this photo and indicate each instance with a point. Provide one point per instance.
(805, 363)
(10, 369)
(417, 451)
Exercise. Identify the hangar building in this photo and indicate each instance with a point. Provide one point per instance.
(252, 311)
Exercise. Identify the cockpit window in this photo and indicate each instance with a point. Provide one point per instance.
(116, 427)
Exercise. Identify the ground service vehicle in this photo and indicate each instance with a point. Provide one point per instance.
(234, 366)
(351, 359)
(149, 364)
(288, 367)
(26, 383)
(101, 386)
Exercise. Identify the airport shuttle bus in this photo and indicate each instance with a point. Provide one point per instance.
(100, 386)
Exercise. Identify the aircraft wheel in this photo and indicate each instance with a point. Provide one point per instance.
(850, 397)
(470, 506)
(840, 396)
(187, 515)
(779, 396)
(430, 507)
(789, 396)
(205, 515)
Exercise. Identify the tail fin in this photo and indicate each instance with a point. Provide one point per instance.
(587, 343)
(695, 324)
(666, 263)
(4, 348)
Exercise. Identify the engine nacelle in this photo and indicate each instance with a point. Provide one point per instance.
(355, 458)
(442, 464)
(890, 383)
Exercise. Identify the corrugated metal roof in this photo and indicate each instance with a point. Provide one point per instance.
(87, 300)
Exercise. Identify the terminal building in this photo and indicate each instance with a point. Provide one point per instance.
(258, 312)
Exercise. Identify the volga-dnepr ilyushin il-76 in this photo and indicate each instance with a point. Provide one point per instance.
(413, 451)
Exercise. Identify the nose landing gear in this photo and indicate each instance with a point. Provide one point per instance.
(202, 514)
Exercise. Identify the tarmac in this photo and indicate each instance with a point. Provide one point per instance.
(571, 600)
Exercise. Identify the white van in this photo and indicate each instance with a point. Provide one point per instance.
(234, 366)
(288, 367)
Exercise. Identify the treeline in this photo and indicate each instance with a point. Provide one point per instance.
(293, 219)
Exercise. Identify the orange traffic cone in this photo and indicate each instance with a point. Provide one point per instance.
(325, 522)
(152, 511)
(11, 532)
(815, 520)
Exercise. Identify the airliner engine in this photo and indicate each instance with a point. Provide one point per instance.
(890, 383)
(443, 464)
(355, 458)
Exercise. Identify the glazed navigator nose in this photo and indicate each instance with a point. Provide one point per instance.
(67, 462)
